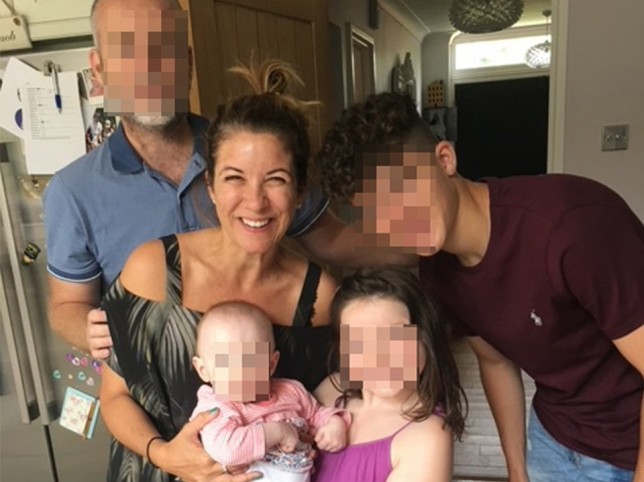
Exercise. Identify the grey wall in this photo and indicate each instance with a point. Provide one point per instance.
(435, 60)
(392, 40)
(603, 84)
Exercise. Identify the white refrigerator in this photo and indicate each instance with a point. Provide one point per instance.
(37, 367)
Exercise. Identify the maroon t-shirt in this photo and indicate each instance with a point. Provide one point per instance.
(563, 275)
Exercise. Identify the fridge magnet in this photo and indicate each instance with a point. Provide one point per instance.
(80, 412)
(90, 382)
(30, 254)
(57, 375)
(81, 376)
(91, 88)
(97, 366)
(100, 128)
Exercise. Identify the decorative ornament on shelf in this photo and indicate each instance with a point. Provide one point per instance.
(403, 79)
(484, 16)
(538, 56)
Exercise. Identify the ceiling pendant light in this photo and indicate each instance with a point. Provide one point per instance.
(538, 56)
(484, 16)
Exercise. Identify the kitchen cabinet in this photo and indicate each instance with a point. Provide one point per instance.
(55, 19)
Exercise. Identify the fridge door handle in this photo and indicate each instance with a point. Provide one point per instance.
(27, 403)
(44, 401)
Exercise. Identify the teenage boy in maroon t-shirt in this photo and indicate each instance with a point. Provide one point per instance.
(542, 273)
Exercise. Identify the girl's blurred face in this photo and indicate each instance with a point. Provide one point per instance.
(378, 346)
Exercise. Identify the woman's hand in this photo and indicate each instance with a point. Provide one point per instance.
(184, 457)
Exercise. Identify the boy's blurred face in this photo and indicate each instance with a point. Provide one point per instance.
(144, 60)
(397, 197)
(378, 346)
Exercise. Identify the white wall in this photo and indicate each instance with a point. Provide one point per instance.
(435, 58)
(392, 40)
(603, 84)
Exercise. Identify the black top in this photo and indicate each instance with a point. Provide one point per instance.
(153, 347)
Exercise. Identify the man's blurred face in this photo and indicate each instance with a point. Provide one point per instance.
(145, 65)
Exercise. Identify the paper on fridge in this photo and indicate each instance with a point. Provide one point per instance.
(52, 138)
(11, 113)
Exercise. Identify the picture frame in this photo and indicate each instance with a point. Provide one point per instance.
(361, 68)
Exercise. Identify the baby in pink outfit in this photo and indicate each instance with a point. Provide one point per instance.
(260, 420)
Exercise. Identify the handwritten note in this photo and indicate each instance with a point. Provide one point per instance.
(53, 139)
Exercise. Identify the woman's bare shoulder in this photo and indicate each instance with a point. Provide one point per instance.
(144, 273)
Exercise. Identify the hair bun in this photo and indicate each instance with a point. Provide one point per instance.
(277, 81)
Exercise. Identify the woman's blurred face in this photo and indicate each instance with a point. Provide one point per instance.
(378, 346)
(254, 190)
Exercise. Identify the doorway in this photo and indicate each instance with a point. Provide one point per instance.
(502, 127)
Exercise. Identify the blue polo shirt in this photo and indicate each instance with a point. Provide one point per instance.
(102, 206)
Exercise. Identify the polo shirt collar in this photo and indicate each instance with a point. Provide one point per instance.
(126, 160)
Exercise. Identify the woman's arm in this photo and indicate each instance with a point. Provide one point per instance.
(423, 452)
(182, 456)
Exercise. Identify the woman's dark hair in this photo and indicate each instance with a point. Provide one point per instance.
(439, 387)
(268, 110)
(382, 119)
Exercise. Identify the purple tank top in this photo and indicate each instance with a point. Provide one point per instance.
(366, 462)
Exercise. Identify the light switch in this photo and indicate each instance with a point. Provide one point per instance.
(615, 138)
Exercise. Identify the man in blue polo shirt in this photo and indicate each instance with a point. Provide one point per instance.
(147, 180)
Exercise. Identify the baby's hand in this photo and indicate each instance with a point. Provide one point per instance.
(332, 436)
(289, 437)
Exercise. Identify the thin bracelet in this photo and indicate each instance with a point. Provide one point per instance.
(147, 450)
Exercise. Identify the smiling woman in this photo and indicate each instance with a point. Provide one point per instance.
(256, 171)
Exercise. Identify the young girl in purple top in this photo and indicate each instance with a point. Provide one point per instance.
(398, 380)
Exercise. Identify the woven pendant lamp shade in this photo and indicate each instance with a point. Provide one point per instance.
(483, 16)
(538, 56)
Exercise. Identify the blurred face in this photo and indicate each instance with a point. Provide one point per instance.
(378, 346)
(144, 60)
(236, 361)
(254, 190)
(403, 199)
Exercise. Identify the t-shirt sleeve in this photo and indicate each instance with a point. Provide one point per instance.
(314, 204)
(69, 257)
(597, 255)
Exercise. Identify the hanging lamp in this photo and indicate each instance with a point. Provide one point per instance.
(484, 16)
(538, 56)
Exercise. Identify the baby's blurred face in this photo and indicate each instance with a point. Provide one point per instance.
(237, 363)
(378, 346)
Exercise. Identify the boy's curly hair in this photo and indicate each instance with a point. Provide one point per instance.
(382, 119)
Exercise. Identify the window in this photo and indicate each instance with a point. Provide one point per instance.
(494, 53)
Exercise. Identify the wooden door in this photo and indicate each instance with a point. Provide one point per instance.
(226, 32)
